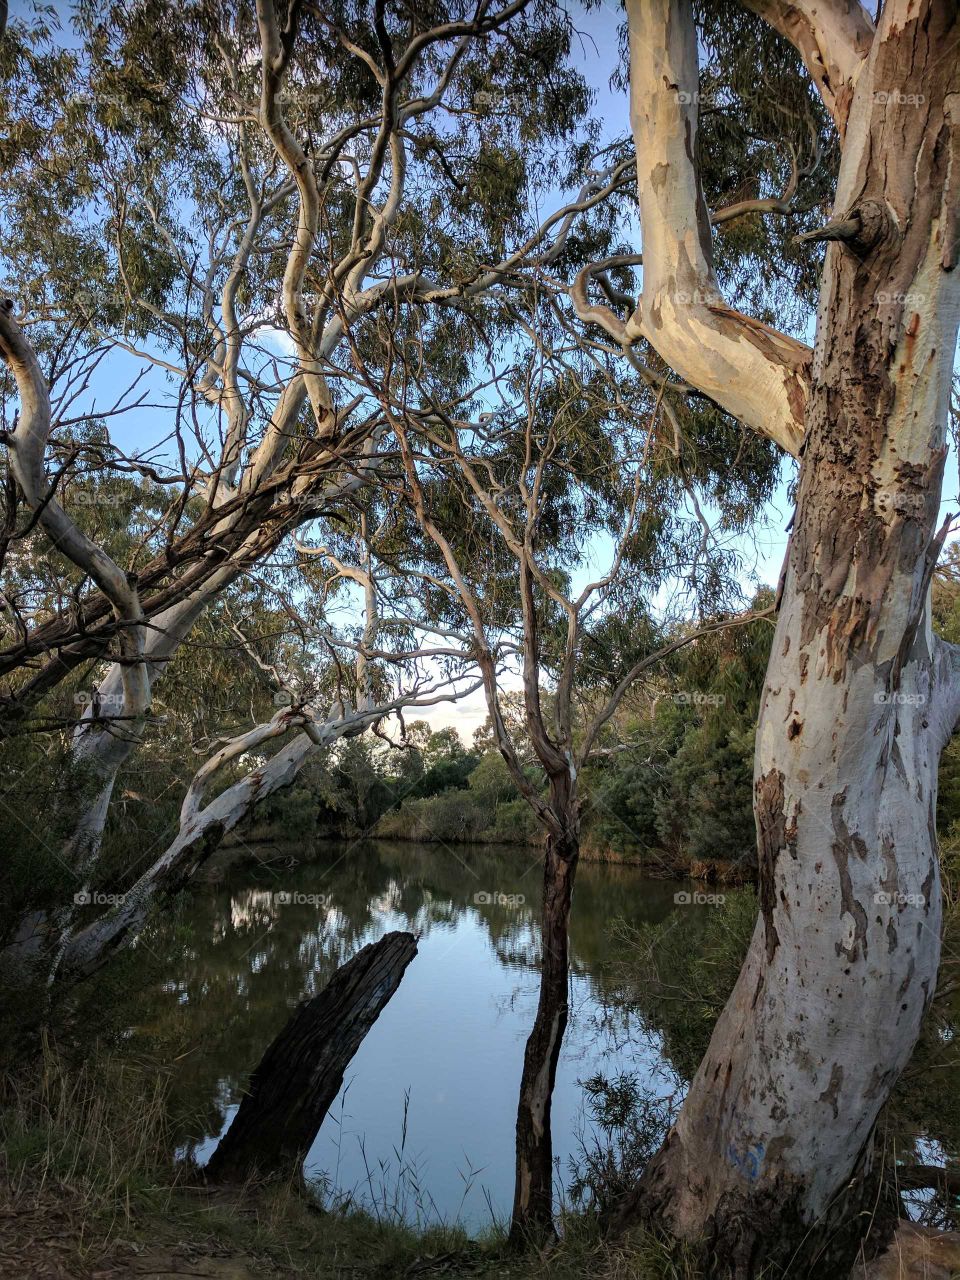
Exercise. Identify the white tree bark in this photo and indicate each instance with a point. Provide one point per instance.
(858, 703)
(832, 36)
(27, 449)
(755, 373)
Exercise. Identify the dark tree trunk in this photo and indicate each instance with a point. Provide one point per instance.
(533, 1195)
(302, 1071)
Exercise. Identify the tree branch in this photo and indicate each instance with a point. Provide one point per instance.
(758, 375)
(833, 38)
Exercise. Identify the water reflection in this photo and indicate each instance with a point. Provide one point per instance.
(425, 1121)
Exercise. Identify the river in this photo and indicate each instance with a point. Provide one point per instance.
(423, 1128)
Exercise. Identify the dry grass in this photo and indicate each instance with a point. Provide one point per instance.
(89, 1191)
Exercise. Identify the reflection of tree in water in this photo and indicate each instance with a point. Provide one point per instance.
(248, 960)
(676, 976)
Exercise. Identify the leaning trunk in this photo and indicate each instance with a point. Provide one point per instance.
(301, 1072)
(90, 947)
(768, 1161)
(533, 1193)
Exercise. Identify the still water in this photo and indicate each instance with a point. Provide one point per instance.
(424, 1124)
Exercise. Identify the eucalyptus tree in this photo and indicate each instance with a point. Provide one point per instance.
(240, 190)
(501, 503)
(341, 703)
(769, 1158)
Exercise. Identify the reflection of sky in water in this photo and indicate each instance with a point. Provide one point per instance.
(927, 1151)
(453, 1038)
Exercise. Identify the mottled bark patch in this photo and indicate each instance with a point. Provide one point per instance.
(771, 838)
(791, 831)
(845, 844)
(830, 1093)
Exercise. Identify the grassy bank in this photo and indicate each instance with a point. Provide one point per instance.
(90, 1191)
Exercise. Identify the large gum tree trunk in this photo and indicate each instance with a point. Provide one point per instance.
(767, 1161)
(533, 1192)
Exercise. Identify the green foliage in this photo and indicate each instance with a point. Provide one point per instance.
(705, 808)
(491, 781)
(629, 1129)
(461, 797)
(678, 779)
(680, 978)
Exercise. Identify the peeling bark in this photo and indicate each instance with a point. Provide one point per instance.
(757, 374)
(770, 1159)
(832, 36)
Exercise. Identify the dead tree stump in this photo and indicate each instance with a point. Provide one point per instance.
(300, 1074)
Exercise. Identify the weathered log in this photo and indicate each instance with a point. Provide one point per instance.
(919, 1177)
(301, 1072)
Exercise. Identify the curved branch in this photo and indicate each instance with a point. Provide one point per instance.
(833, 37)
(282, 721)
(27, 446)
(756, 374)
(602, 315)
(277, 48)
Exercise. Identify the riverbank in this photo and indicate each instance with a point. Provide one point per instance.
(657, 864)
(89, 1190)
(100, 1179)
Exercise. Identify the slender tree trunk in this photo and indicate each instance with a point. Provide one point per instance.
(767, 1161)
(301, 1073)
(533, 1193)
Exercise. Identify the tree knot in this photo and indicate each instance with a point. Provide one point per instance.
(862, 229)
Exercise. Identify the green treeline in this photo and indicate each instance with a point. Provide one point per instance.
(671, 789)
